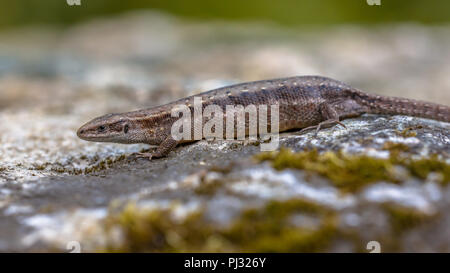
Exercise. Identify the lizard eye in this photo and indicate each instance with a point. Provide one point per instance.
(125, 128)
(101, 128)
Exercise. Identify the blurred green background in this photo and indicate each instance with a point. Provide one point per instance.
(285, 12)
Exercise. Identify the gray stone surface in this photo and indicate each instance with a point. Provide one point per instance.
(55, 188)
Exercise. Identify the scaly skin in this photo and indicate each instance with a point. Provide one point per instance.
(308, 102)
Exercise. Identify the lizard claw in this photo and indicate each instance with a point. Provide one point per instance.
(324, 124)
(342, 124)
(306, 129)
(144, 155)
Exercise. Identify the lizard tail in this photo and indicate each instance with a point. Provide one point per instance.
(400, 106)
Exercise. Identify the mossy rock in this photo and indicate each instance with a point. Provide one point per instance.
(351, 172)
(265, 229)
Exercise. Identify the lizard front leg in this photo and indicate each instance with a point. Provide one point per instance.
(163, 149)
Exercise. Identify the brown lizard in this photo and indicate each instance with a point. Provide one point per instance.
(308, 102)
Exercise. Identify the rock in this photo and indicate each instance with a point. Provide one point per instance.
(382, 178)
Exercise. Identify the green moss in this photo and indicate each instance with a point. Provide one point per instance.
(403, 219)
(421, 168)
(395, 147)
(256, 143)
(348, 172)
(409, 132)
(351, 172)
(208, 187)
(40, 167)
(267, 229)
(155, 230)
(100, 165)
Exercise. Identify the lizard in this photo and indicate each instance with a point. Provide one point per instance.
(305, 102)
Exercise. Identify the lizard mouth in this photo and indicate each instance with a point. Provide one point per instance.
(80, 133)
(84, 134)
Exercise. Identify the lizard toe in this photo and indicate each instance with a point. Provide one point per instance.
(144, 155)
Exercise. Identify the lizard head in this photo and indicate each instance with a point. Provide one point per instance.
(108, 128)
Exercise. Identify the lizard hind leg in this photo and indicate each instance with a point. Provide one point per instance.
(330, 117)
